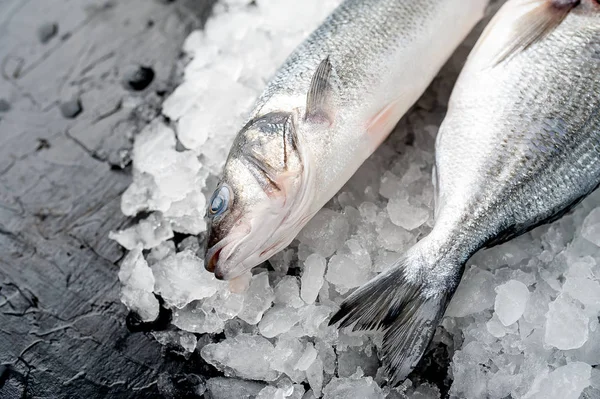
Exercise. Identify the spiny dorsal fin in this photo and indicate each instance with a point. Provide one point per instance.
(535, 25)
(318, 100)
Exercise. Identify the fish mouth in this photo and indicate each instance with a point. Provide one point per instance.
(218, 257)
(212, 260)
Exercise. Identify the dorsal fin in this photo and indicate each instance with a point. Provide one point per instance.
(535, 25)
(318, 99)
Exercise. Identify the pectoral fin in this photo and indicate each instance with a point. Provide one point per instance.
(319, 106)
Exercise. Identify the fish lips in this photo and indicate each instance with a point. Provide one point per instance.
(218, 260)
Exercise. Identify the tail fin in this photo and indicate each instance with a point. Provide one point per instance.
(406, 307)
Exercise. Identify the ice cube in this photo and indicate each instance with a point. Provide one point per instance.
(307, 358)
(326, 232)
(469, 370)
(181, 279)
(497, 328)
(278, 320)
(426, 391)
(511, 300)
(198, 319)
(160, 252)
(586, 291)
(350, 267)
(188, 342)
(404, 214)
(566, 382)
(394, 238)
(297, 393)
(138, 283)
(312, 277)
(353, 387)
(228, 388)
(288, 351)
(353, 359)
(476, 283)
(270, 392)
(390, 185)
(566, 324)
(287, 292)
(590, 230)
(245, 356)
(257, 299)
(148, 233)
(187, 215)
(314, 375)
(327, 356)
(227, 304)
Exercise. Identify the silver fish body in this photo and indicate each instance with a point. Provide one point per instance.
(519, 147)
(335, 99)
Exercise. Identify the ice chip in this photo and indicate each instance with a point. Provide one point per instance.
(353, 359)
(390, 185)
(511, 300)
(350, 267)
(314, 374)
(312, 277)
(228, 388)
(326, 232)
(245, 356)
(270, 392)
(257, 299)
(307, 358)
(188, 342)
(138, 283)
(353, 387)
(590, 229)
(160, 252)
(404, 214)
(287, 292)
(566, 382)
(181, 279)
(566, 324)
(149, 233)
(586, 291)
(278, 320)
(476, 283)
(197, 318)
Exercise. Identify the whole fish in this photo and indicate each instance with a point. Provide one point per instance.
(520, 147)
(330, 105)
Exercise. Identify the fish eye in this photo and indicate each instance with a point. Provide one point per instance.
(219, 201)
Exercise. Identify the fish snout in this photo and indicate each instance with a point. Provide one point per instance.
(219, 275)
(213, 259)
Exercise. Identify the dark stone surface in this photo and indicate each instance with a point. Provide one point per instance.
(63, 331)
(4, 105)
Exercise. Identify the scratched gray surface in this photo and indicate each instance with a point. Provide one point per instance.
(62, 327)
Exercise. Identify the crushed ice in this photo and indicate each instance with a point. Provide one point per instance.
(523, 323)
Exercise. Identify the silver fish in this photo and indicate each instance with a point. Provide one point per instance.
(520, 147)
(330, 105)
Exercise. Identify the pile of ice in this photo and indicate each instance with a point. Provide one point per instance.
(524, 321)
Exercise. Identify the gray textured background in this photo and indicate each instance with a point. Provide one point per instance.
(62, 328)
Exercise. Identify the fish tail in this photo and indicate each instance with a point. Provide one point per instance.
(407, 302)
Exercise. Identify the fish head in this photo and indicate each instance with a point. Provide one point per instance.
(254, 210)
